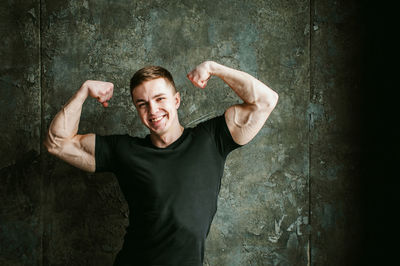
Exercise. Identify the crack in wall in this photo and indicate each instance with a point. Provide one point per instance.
(42, 165)
(311, 91)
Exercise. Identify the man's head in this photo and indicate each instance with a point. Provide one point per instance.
(150, 73)
(155, 98)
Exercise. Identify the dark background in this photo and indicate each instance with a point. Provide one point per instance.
(380, 135)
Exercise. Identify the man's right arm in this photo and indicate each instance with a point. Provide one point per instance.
(62, 139)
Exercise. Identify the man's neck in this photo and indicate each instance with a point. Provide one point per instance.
(162, 141)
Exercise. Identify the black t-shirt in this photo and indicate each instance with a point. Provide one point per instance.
(171, 192)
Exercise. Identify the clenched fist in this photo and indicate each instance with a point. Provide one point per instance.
(201, 74)
(100, 90)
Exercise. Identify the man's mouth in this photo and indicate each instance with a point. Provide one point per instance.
(156, 119)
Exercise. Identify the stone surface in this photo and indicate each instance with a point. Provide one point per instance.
(20, 112)
(289, 197)
(20, 98)
(334, 133)
(20, 212)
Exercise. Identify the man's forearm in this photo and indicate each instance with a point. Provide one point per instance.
(62, 139)
(65, 124)
(249, 89)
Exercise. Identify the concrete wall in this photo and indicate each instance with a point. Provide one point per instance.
(290, 197)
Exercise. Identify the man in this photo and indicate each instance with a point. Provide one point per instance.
(171, 178)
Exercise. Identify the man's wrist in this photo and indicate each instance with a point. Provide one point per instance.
(212, 67)
(215, 69)
(83, 91)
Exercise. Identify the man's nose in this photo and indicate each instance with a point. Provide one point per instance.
(153, 107)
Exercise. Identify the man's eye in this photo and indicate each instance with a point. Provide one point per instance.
(161, 98)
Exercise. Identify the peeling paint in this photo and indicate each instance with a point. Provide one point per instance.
(277, 233)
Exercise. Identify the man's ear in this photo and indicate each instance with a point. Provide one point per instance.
(177, 99)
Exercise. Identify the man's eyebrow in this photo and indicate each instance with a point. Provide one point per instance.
(155, 96)
(140, 100)
(158, 95)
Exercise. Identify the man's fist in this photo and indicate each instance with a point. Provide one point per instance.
(100, 90)
(201, 74)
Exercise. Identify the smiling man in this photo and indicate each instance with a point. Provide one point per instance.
(170, 178)
(157, 101)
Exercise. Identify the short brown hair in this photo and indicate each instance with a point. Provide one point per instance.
(150, 73)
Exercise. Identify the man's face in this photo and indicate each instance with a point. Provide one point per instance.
(157, 105)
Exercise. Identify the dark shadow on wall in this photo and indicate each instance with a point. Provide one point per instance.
(380, 134)
(20, 211)
(52, 213)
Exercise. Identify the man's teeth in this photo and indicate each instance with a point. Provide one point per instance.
(157, 119)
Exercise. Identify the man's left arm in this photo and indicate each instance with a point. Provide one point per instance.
(244, 120)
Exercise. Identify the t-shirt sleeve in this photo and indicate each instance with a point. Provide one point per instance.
(219, 131)
(105, 153)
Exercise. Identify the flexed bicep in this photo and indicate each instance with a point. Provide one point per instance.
(62, 139)
(244, 121)
(78, 151)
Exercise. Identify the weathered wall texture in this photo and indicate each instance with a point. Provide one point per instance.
(287, 198)
(334, 133)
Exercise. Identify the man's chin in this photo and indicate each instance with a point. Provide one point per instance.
(157, 130)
